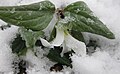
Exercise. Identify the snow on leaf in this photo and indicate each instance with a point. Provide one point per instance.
(29, 36)
(13, 10)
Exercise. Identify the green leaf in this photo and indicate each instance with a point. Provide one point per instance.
(81, 19)
(34, 16)
(54, 55)
(18, 46)
(30, 37)
(77, 35)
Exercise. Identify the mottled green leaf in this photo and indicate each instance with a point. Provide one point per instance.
(34, 16)
(81, 19)
(30, 37)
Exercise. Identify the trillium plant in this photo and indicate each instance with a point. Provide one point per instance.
(57, 29)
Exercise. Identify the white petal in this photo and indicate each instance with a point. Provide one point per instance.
(59, 38)
(50, 27)
(77, 46)
(65, 49)
(45, 43)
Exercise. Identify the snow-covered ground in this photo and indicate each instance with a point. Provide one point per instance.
(106, 60)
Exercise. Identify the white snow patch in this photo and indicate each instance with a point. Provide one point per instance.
(6, 56)
(98, 63)
(36, 65)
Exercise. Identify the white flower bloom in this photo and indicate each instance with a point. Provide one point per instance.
(59, 38)
(78, 46)
(68, 43)
(56, 42)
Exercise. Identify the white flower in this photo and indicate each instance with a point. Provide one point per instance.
(78, 46)
(67, 41)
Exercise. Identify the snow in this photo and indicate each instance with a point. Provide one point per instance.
(106, 60)
(6, 56)
(98, 63)
(39, 66)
